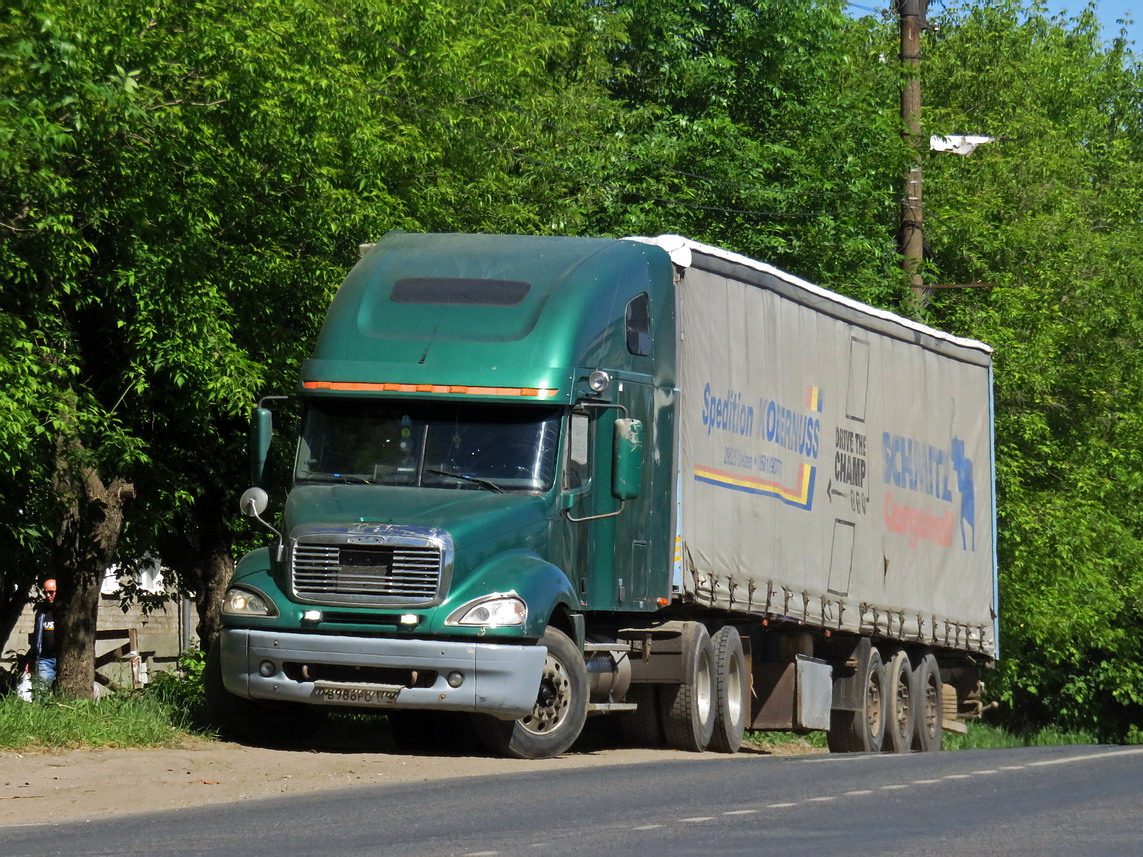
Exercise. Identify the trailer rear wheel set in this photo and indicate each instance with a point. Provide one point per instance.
(899, 708)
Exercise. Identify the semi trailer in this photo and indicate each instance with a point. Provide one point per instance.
(544, 478)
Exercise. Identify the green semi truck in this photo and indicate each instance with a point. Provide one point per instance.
(541, 478)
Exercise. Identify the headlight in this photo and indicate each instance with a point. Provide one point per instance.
(491, 611)
(247, 602)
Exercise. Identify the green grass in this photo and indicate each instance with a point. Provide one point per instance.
(172, 709)
(114, 721)
(982, 736)
(773, 740)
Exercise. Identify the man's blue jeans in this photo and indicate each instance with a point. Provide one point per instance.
(45, 674)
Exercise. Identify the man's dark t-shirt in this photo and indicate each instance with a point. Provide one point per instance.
(44, 637)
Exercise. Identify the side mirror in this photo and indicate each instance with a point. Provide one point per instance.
(261, 432)
(253, 502)
(627, 459)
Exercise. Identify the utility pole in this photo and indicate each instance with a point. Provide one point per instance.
(912, 235)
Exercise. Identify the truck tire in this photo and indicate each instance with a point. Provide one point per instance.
(559, 713)
(731, 691)
(688, 708)
(900, 704)
(642, 727)
(928, 727)
(256, 721)
(862, 731)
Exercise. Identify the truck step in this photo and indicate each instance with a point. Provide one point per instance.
(608, 707)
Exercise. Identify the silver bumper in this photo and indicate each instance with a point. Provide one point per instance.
(498, 679)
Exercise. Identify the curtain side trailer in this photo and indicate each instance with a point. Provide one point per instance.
(541, 478)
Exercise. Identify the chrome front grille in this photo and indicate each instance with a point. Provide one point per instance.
(376, 569)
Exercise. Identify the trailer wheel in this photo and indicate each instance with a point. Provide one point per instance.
(256, 721)
(688, 708)
(731, 691)
(862, 731)
(901, 698)
(928, 728)
(642, 727)
(560, 711)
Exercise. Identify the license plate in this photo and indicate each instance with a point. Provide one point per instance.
(357, 694)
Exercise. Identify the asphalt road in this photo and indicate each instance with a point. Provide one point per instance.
(1037, 802)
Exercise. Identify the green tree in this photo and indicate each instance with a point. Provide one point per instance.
(766, 127)
(181, 188)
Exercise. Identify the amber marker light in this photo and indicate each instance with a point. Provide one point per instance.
(451, 389)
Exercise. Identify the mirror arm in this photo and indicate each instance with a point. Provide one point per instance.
(252, 503)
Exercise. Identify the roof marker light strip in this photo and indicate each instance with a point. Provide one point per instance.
(387, 387)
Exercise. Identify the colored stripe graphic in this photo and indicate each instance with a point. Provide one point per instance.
(814, 399)
(800, 496)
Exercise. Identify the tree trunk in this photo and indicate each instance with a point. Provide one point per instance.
(85, 546)
(201, 556)
(215, 574)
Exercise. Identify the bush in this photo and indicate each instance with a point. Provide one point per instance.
(180, 692)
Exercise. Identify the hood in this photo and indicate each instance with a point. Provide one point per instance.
(469, 516)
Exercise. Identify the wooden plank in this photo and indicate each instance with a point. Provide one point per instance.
(950, 714)
(113, 654)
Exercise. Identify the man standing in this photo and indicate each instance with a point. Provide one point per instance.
(43, 650)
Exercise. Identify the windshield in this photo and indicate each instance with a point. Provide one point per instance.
(439, 445)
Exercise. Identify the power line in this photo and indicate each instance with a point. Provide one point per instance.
(866, 8)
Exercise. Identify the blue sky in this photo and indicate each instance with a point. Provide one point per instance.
(1108, 11)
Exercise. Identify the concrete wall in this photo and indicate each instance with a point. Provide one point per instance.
(161, 635)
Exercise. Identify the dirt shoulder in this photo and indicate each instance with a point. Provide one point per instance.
(77, 785)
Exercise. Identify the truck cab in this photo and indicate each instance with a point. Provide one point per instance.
(485, 454)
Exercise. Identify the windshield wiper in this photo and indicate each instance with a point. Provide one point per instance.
(492, 486)
(341, 478)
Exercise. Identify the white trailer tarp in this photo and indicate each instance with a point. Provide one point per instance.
(835, 460)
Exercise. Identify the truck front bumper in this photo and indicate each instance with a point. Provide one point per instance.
(501, 680)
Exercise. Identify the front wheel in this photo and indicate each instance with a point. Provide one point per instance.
(560, 711)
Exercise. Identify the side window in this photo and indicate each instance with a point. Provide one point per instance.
(639, 325)
(577, 470)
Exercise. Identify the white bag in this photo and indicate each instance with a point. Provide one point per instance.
(24, 686)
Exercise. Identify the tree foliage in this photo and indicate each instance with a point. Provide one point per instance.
(1050, 214)
(183, 184)
(769, 127)
(181, 187)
